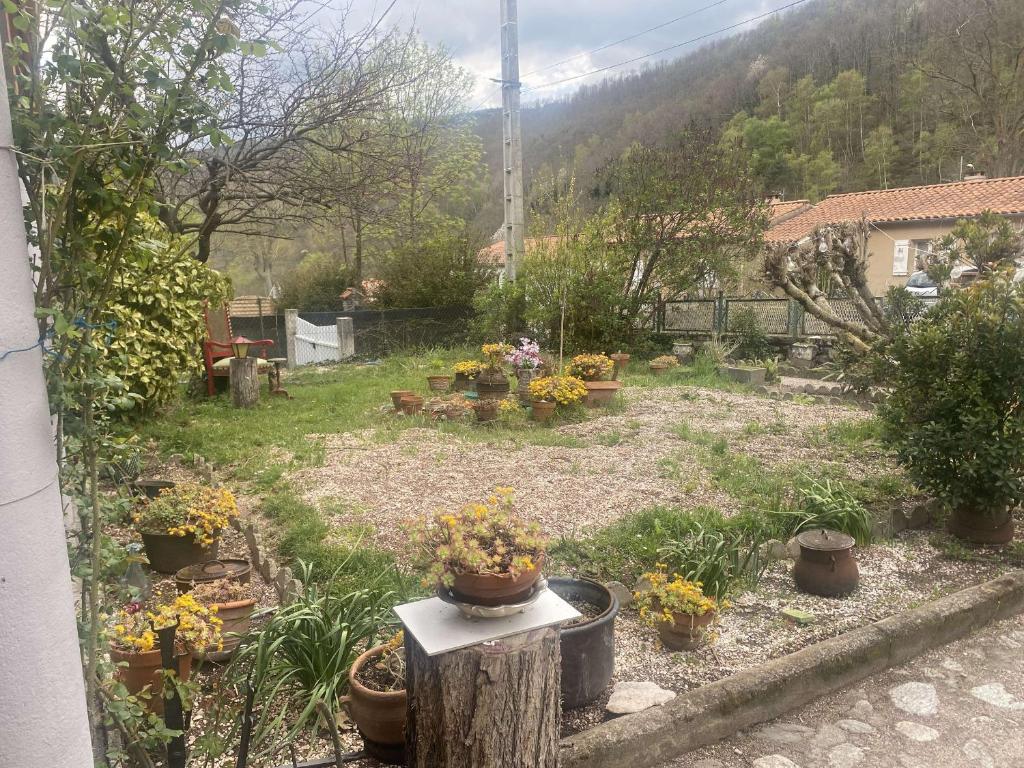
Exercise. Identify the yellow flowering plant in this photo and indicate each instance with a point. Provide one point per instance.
(591, 367)
(488, 537)
(133, 628)
(670, 361)
(188, 509)
(563, 390)
(468, 368)
(669, 596)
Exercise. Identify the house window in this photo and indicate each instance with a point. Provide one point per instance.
(900, 257)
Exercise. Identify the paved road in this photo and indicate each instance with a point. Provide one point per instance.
(961, 705)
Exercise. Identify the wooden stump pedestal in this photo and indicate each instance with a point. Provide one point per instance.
(494, 704)
(245, 381)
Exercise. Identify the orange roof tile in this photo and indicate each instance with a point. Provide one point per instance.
(935, 201)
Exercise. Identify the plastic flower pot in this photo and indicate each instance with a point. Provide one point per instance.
(237, 618)
(588, 648)
(397, 395)
(542, 410)
(379, 715)
(496, 588)
(439, 383)
(169, 554)
(144, 668)
(600, 393)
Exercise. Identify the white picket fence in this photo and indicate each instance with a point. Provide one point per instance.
(310, 344)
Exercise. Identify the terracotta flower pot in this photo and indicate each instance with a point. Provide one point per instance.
(686, 632)
(621, 360)
(237, 618)
(411, 404)
(397, 395)
(542, 410)
(496, 588)
(658, 368)
(379, 715)
(144, 668)
(169, 554)
(600, 392)
(439, 383)
(982, 527)
(486, 410)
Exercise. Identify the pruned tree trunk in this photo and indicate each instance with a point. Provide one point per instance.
(245, 382)
(494, 705)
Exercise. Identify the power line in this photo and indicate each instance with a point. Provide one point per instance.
(666, 49)
(625, 39)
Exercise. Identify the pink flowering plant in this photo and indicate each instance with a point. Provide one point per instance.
(525, 355)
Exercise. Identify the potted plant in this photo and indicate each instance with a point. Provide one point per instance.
(662, 363)
(484, 553)
(486, 410)
(549, 392)
(376, 700)
(528, 364)
(491, 382)
(954, 413)
(678, 609)
(233, 603)
(465, 375)
(182, 525)
(595, 372)
(135, 648)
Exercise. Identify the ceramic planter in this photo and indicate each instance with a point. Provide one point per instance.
(686, 631)
(492, 385)
(523, 378)
(379, 715)
(144, 668)
(169, 554)
(588, 649)
(542, 411)
(826, 565)
(397, 395)
(462, 383)
(658, 368)
(237, 618)
(495, 588)
(600, 393)
(439, 383)
(683, 350)
(621, 360)
(411, 404)
(981, 527)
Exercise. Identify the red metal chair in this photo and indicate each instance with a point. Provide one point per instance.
(217, 351)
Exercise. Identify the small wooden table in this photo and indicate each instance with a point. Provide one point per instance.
(275, 377)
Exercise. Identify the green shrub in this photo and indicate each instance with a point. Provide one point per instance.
(442, 272)
(751, 340)
(955, 416)
(827, 504)
(315, 285)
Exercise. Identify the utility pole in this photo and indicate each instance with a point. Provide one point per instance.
(43, 718)
(512, 138)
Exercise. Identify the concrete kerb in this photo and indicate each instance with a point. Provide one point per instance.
(715, 711)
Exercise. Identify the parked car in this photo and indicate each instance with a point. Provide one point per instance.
(921, 285)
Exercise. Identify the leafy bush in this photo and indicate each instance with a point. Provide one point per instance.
(751, 341)
(717, 559)
(443, 272)
(499, 311)
(315, 285)
(954, 415)
(828, 504)
(155, 314)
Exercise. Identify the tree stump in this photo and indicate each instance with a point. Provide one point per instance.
(494, 705)
(245, 381)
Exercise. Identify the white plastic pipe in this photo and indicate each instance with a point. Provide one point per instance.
(43, 719)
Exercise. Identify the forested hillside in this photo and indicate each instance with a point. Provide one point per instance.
(837, 95)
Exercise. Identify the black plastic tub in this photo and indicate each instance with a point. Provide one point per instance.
(588, 650)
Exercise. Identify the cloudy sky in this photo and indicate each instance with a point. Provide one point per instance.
(551, 31)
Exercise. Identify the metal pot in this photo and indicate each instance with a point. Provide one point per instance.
(588, 649)
(826, 565)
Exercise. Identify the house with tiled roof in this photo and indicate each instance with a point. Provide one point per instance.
(903, 222)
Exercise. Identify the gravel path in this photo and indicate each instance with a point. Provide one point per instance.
(624, 463)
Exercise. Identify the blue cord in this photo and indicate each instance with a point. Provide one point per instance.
(78, 322)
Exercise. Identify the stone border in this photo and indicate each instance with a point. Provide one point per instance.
(715, 711)
(280, 577)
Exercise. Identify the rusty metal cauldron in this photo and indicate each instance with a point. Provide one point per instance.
(826, 565)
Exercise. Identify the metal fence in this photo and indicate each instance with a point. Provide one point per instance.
(776, 317)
